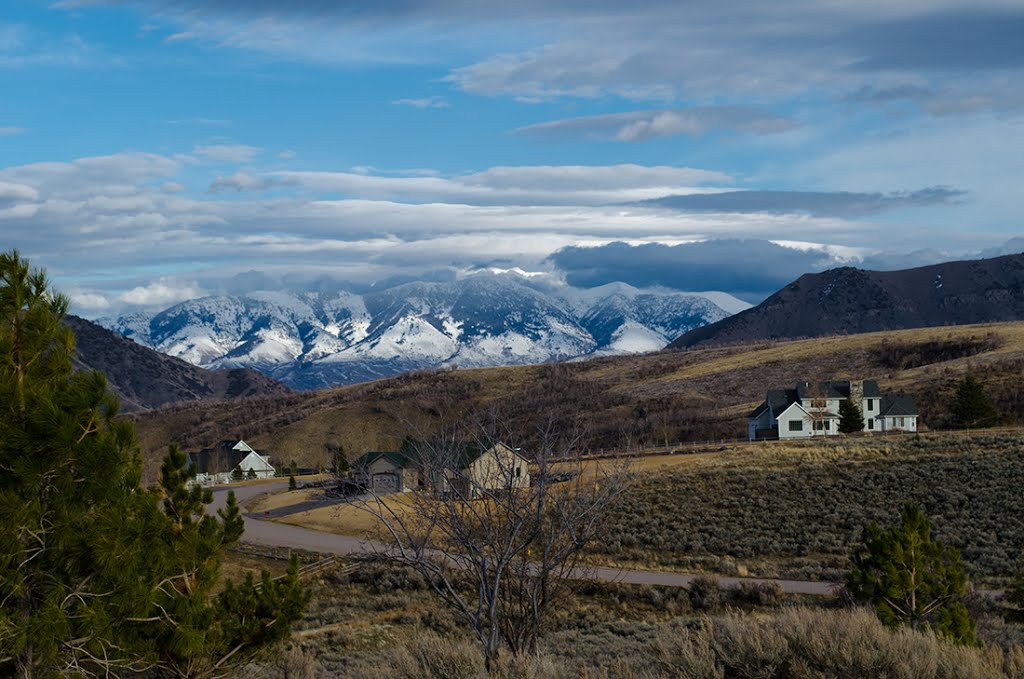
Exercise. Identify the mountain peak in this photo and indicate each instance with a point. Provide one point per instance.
(316, 339)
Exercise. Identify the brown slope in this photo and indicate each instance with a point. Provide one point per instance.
(143, 378)
(848, 301)
(697, 395)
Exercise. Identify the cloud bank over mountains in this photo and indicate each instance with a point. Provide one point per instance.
(133, 231)
(729, 144)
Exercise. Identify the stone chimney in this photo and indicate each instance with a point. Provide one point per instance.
(857, 392)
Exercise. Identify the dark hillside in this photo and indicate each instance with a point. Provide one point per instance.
(848, 301)
(143, 378)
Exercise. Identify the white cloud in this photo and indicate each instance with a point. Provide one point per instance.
(227, 153)
(17, 192)
(426, 102)
(165, 291)
(84, 177)
(12, 131)
(87, 301)
(645, 125)
(525, 185)
(108, 224)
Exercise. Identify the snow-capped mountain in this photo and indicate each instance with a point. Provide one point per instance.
(315, 339)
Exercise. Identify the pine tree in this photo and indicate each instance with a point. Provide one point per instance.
(851, 419)
(339, 462)
(68, 471)
(911, 579)
(196, 634)
(973, 408)
(98, 575)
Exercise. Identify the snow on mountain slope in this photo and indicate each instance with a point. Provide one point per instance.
(312, 339)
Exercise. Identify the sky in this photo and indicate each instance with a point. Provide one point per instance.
(153, 151)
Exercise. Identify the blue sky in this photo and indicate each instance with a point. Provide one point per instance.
(152, 149)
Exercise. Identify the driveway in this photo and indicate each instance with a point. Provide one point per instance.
(272, 534)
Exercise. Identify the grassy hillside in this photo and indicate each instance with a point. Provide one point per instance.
(614, 402)
(797, 510)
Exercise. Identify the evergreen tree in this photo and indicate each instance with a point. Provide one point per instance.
(291, 483)
(237, 474)
(911, 579)
(973, 408)
(251, 474)
(99, 575)
(193, 633)
(851, 419)
(68, 470)
(339, 462)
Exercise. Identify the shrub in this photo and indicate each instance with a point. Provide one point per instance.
(815, 644)
(768, 594)
(705, 593)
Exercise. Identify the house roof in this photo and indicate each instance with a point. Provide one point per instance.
(399, 459)
(871, 389)
(472, 452)
(222, 457)
(897, 405)
(466, 455)
(836, 389)
(758, 411)
(780, 399)
(813, 413)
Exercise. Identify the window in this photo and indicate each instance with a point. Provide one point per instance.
(901, 421)
(519, 471)
(871, 423)
(796, 425)
(871, 404)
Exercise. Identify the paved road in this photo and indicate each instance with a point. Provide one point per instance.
(272, 534)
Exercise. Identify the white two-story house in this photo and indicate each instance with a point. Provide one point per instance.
(812, 409)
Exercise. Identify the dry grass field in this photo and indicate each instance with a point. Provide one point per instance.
(383, 622)
(796, 510)
(347, 519)
(695, 395)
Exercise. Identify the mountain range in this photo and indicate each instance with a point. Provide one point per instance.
(142, 378)
(848, 300)
(310, 340)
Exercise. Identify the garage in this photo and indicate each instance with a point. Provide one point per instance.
(385, 483)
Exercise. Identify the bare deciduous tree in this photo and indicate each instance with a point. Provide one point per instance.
(500, 544)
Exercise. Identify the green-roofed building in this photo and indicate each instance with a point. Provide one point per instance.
(387, 471)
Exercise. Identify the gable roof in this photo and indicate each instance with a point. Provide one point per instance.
(465, 455)
(758, 411)
(871, 389)
(823, 415)
(399, 459)
(471, 452)
(836, 389)
(780, 399)
(223, 457)
(897, 405)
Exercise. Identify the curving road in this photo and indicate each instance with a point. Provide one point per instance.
(272, 534)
